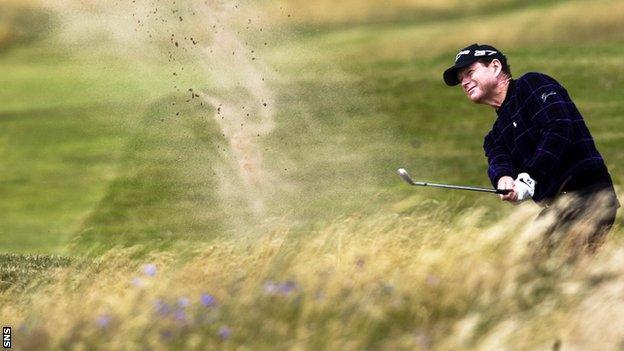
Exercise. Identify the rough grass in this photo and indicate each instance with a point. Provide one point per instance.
(18, 271)
(403, 282)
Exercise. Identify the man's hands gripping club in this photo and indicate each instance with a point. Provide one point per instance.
(522, 188)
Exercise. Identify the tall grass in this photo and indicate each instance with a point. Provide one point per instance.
(401, 282)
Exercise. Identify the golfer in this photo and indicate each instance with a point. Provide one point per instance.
(539, 145)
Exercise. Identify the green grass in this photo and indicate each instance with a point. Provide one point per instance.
(99, 156)
(68, 126)
(86, 158)
(107, 158)
(61, 146)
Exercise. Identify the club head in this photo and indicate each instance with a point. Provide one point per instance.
(405, 176)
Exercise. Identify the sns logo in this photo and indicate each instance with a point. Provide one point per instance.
(465, 52)
(6, 337)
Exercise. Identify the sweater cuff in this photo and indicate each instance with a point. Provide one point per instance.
(498, 175)
(534, 173)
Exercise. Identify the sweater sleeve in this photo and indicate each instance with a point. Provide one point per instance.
(499, 160)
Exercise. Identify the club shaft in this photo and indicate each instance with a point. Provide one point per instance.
(406, 177)
(458, 187)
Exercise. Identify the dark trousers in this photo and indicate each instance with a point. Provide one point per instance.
(580, 218)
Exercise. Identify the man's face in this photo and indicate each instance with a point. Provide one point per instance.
(478, 81)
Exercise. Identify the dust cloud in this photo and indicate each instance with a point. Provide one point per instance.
(243, 117)
(210, 48)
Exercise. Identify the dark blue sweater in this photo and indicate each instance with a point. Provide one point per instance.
(540, 131)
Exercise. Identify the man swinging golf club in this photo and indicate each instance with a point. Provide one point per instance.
(539, 146)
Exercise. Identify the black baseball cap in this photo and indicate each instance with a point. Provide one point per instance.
(467, 56)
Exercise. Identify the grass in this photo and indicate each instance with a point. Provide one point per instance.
(22, 22)
(287, 211)
(60, 156)
(383, 282)
(307, 17)
(17, 271)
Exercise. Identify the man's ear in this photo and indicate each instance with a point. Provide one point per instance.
(498, 67)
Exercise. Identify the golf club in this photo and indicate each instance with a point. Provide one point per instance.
(406, 177)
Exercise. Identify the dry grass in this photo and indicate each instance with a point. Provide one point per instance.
(389, 282)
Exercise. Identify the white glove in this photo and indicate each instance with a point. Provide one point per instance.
(524, 186)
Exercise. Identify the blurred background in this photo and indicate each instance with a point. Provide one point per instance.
(146, 130)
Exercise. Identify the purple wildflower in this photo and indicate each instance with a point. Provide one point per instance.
(149, 269)
(180, 315)
(183, 302)
(287, 287)
(271, 287)
(360, 262)
(422, 339)
(208, 300)
(103, 321)
(432, 280)
(136, 281)
(161, 307)
(167, 335)
(225, 333)
(280, 288)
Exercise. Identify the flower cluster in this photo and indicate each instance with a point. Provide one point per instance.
(280, 288)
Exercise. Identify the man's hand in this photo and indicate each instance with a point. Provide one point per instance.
(524, 186)
(507, 183)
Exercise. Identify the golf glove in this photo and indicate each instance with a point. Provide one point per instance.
(525, 186)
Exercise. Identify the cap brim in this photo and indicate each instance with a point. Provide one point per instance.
(450, 75)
